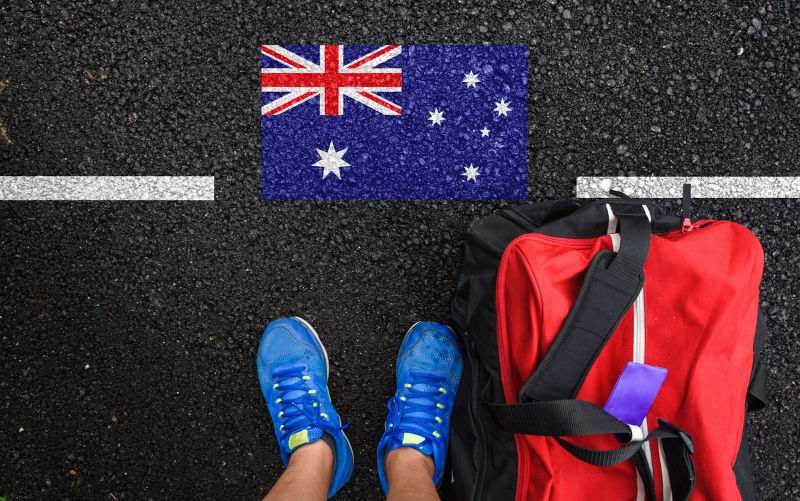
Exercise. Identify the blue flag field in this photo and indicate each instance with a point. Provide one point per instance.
(391, 122)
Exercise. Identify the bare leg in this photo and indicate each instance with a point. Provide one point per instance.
(410, 476)
(308, 476)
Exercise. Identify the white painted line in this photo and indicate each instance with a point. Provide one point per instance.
(702, 187)
(106, 187)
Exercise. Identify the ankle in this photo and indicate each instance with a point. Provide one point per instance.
(317, 455)
(408, 459)
(307, 476)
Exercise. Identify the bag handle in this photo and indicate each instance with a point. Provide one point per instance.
(572, 418)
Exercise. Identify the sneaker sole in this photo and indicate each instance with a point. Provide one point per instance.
(324, 351)
(327, 373)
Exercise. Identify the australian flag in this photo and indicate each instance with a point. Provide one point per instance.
(391, 122)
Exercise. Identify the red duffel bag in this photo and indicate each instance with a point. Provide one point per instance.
(611, 353)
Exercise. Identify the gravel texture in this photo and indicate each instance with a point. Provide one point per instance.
(128, 330)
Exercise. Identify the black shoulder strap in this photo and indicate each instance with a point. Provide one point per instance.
(610, 287)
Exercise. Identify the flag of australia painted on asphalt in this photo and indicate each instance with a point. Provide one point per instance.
(391, 122)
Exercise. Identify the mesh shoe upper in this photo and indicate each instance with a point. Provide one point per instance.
(293, 374)
(428, 371)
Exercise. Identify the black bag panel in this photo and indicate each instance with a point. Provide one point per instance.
(756, 400)
(743, 469)
(479, 452)
(483, 458)
(757, 389)
(530, 217)
(501, 476)
(473, 311)
(466, 449)
(497, 230)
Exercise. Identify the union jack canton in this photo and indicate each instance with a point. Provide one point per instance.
(331, 79)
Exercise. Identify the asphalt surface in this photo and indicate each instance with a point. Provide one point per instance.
(128, 331)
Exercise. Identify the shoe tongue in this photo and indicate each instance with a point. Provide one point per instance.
(294, 393)
(427, 387)
(303, 436)
(428, 401)
(414, 434)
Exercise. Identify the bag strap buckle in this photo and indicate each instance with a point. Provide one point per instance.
(637, 434)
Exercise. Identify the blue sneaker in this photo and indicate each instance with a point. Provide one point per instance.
(428, 370)
(293, 373)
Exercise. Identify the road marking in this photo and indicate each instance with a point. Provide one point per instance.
(702, 187)
(106, 187)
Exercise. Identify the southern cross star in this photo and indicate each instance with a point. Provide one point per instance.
(436, 117)
(485, 132)
(471, 79)
(471, 173)
(331, 160)
(502, 108)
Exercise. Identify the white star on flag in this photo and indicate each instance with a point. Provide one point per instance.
(471, 173)
(436, 117)
(471, 79)
(502, 108)
(331, 160)
(485, 132)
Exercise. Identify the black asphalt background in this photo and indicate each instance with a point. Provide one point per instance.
(128, 330)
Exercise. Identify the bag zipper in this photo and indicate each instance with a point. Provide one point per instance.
(523, 222)
(480, 426)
